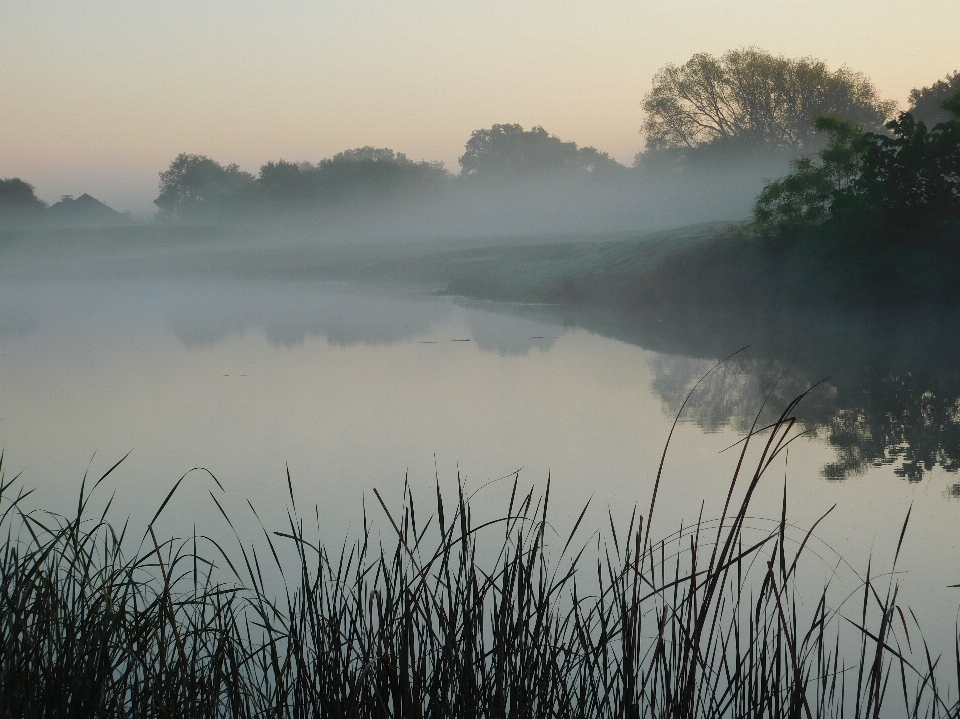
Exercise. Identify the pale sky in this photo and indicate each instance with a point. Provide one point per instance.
(99, 96)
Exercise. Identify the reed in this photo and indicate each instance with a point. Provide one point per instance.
(451, 616)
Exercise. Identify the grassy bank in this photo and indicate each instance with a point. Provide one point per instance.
(717, 266)
(450, 615)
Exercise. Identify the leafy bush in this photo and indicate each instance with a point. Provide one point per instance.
(868, 187)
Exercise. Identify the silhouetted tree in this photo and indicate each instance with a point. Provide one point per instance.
(368, 172)
(749, 98)
(510, 151)
(194, 186)
(363, 173)
(926, 103)
(913, 175)
(18, 203)
(368, 153)
(288, 184)
(871, 185)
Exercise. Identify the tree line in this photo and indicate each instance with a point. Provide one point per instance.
(196, 185)
(709, 112)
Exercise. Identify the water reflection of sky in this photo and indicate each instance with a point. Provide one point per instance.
(354, 389)
(288, 313)
(877, 403)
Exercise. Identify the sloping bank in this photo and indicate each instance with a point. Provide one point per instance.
(577, 272)
(714, 267)
(706, 290)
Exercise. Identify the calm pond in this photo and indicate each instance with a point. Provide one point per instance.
(354, 388)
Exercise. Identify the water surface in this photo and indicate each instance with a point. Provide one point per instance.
(353, 388)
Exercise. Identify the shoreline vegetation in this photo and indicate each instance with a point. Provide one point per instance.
(427, 617)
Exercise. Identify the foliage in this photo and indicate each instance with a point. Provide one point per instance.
(753, 99)
(912, 176)
(368, 153)
(18, 203)
(870, 187)
(194, 186)
(369, 172)
(800, 199)
(287, 184)
(926, 103)
(363, 173)
(509, 151)
(805, 197)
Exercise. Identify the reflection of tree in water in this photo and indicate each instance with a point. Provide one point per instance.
(909, 419)
(870, 415)
(889, 378)
(732, 395)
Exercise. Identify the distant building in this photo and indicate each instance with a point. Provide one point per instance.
(84, 211)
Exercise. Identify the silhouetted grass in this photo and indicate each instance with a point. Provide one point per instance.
(452, 617)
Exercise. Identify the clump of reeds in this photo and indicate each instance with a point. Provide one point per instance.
(432, 623)
(87, 631)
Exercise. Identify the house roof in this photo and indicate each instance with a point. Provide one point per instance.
(84, 210)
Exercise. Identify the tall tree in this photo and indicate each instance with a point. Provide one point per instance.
(195, 186)
(752, 98)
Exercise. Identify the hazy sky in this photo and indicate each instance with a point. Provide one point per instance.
(99, 96)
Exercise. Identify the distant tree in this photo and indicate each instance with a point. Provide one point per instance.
(364, 173)
(18, 203)
(510, 151)
(288, 184)
(368, 153)
(372, 172)
(749, 98)
(196, 186)
(926, 103)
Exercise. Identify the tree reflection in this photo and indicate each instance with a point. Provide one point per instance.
(891, 395)
(907, 420)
